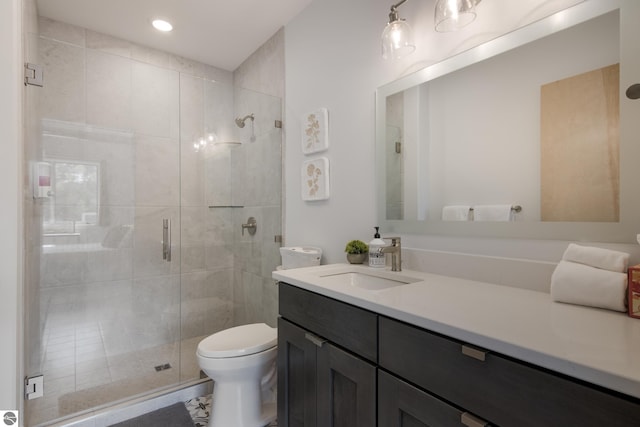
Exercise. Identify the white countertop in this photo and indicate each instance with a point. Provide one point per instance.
(599, 346)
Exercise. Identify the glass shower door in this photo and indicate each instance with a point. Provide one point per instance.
(103, 295)
(229, 174)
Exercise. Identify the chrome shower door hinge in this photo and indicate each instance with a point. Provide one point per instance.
(34, 387)
(33, 74)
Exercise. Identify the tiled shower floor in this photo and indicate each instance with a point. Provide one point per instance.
(82, 370)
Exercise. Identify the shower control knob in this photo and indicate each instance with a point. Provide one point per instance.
(251, 226)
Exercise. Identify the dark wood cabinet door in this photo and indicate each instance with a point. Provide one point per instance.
(346, 389)
(296, 377)
(403, 405)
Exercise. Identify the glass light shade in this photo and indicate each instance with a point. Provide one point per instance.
(451, 15)
(397, 40)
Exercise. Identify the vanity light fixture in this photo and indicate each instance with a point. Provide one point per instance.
(450, 15)
(162, 25)
(397, 37)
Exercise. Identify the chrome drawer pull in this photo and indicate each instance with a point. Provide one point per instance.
(472, 421)
(315, 339)
(474, 352)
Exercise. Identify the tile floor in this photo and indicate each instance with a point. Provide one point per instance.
(83, 370)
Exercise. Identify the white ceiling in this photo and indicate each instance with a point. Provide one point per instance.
(216, 32)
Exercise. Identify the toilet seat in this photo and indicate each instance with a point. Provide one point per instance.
(239, 341)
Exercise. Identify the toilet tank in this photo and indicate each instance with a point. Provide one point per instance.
(300, 256)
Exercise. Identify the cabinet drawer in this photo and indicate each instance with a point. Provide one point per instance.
(499, 389)
(347, 326)
(403, 405)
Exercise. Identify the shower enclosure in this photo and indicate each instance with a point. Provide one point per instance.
(394, 155)
(138, 184)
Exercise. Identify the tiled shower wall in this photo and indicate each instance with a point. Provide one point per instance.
(111, 309)
(138, 111)
(262, 78)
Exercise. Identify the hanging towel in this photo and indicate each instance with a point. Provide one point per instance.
(456, 213)
(605, 259)
(492, 213)
(581, 284)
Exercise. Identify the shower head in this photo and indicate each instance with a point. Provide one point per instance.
(240, 121)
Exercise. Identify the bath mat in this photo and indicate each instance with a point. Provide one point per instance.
(175, 415)
(200, 410)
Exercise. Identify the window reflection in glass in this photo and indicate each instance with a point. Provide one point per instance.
(75, 197)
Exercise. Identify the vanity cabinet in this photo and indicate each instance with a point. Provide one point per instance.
(497, 388)
(342, 365)
(320, 382)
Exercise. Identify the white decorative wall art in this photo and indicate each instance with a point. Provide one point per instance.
(315, 179)
(315, 131)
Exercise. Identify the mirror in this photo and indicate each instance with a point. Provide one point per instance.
(501, 124)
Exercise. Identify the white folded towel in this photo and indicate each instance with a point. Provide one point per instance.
(583, 285)
(456, 213)
(492, 213)
(605, 259)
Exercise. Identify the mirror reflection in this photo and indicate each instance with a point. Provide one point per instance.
(535, 127)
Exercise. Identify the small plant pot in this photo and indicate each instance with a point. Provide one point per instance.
(356, 258)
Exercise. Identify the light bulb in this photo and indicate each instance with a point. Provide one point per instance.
(162, 25)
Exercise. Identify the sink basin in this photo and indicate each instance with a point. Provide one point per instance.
(367, 281)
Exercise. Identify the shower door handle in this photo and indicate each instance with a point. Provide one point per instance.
(166, 239)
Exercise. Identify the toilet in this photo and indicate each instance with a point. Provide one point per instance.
(241, 361)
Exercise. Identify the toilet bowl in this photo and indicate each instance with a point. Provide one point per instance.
(241, 361)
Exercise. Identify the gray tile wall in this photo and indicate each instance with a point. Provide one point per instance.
(259, 85)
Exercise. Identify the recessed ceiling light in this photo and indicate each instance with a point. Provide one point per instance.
(162, 25)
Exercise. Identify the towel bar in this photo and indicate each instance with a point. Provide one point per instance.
(516, 208)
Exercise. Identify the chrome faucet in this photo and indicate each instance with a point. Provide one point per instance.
(396, 252)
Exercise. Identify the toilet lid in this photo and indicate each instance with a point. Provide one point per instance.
(239, 341)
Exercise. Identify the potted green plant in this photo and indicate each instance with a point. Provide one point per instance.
(356, 251)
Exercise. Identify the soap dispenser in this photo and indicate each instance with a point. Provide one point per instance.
(376, 257)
